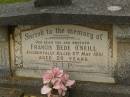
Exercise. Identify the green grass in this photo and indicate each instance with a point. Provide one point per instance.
(12, 1)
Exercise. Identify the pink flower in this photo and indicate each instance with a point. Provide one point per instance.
(56, 79)
(47, 77)
(57, 72)
(45, 90)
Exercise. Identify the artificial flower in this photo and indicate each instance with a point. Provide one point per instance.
(56, 79)
(45, 90)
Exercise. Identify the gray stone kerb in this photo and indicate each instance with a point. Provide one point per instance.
(80, 12)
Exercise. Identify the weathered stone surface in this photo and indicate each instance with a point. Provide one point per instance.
(10, 92)
(4, 73)
(4, 53)
(100, 90)
(80, 90)
(80, 12)
(122, 68)
(43, 3)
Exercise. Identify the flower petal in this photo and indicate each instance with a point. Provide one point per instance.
(63, 93)
(49, 94)
(45, 90)
(57, 84)
(57, 72)
(54, 80)
(65, 77)
(47, 77)
(69, 83)
(63, 87)
(60, 91)
(46, 81)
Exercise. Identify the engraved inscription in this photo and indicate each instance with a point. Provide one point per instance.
(73, 48)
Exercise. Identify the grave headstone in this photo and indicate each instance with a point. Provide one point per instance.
(82, 51)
